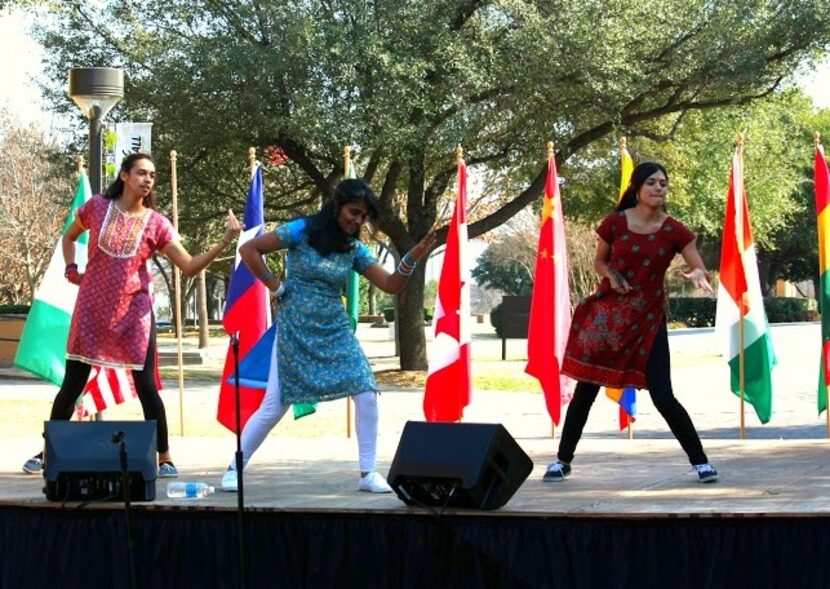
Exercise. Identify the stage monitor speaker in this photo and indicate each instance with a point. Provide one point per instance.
(474, 465)
(82, 461)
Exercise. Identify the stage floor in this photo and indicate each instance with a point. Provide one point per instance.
(611, 478)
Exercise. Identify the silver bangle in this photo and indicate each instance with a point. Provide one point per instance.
(266, 275)
(277, 294)
(404, 270)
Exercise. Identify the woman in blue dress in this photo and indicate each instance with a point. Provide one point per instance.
(318, 356)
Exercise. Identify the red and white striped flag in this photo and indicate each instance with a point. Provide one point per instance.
(106, 388)
(447, 389)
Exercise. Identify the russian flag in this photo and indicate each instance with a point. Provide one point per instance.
(246, 313)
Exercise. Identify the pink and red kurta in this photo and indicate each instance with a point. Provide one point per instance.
(612, 334)
(111, 321)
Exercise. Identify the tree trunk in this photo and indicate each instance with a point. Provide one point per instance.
(411, 323)
(201, 307)
(371, 295)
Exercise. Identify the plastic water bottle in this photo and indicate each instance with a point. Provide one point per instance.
(178, 490)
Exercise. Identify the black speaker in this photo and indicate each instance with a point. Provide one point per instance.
(475, 465)
(82, 460)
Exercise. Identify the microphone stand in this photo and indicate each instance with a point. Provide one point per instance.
(118, 438)
(240, 493)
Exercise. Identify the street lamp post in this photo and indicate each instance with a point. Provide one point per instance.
(96, 90)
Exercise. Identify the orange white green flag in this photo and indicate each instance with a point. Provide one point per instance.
(739, 296)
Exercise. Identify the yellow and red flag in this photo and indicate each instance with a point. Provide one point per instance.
(550, 306)
(822, 186)
(448, 383)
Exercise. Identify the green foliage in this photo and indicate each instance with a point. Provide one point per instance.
(790, 309)
(501, 273)
(700, 311)
(407, 80)
(692, 311)
(495, 318)
(14, 309)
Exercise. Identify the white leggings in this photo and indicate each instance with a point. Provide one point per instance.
(272, 410)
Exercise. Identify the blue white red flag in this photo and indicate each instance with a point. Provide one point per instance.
(246, 313)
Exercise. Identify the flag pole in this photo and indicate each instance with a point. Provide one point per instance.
(347, 160)
(741, 358)
(550, 156)
(177, 290)
(623, 151)
(459, 160)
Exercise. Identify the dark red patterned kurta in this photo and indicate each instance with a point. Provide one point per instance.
(612, 334)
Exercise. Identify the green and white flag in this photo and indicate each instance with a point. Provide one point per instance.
(42, 349)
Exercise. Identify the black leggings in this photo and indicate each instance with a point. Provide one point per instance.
(658, 377)
(77, 374)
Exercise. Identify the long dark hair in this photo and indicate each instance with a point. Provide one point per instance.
(638, 178)
(324, 232)
(116, 189)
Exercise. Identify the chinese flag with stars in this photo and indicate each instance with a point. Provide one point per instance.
(550, 307)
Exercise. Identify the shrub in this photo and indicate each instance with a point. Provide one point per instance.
(495, 319)
(388, 313)
(790, 309)
(693, 311)
(14, 309)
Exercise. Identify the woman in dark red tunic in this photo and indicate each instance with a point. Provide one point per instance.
(618, 334)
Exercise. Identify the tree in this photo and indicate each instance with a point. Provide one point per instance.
(406, 81)
(34, 196)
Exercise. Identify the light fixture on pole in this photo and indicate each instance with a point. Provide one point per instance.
(96, 90)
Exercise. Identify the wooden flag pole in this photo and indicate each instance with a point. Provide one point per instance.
(347, 160)
(741, 340)
(177, 292)
(623, 150)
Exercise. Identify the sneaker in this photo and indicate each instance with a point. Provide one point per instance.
(706, 473)
(556, 472)
(229, 481)
(33, 466)
(374, 483)
(167, 471)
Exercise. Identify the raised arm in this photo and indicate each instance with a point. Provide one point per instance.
(192, 265)
(394, 282)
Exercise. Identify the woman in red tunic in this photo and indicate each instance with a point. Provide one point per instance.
(618, 335)
(112, 323)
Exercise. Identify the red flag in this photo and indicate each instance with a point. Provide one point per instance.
(246, 313)
(550, 307)
(447, 389)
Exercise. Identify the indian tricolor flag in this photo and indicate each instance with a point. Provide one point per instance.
(822, 184)
(739, 297)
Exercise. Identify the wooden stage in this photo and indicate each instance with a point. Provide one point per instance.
(631, 514)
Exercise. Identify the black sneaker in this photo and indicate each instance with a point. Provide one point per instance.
(557, 471)
(706, 473)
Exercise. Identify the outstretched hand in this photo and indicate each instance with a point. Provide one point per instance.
(233, 229)
(700, 278)
(423, 247)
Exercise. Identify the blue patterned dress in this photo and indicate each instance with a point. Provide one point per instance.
(319, 357)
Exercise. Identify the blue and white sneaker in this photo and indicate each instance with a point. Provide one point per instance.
(167, 470)
(34, 465)
(706, 473)
(556, 472)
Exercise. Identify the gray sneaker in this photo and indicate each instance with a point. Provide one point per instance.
(167, 470)
(33, 466)
(706, 473)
